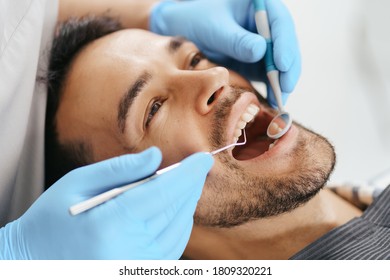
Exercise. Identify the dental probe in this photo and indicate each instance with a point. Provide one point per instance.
(282, 121)
(103, 197)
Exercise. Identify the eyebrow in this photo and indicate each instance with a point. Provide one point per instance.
(175, 43)
(128, 99)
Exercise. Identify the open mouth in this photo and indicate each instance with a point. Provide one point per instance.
(255, 124)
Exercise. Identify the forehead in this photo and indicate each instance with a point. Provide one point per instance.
(113, 61)
(122, 46)
(110, 63)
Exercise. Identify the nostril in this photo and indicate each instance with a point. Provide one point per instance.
(211, 99)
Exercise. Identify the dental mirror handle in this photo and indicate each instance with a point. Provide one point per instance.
(103, 197)
(264, 30)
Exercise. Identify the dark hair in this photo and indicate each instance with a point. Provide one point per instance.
(70, 38)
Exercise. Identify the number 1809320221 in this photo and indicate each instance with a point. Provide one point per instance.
(242, 270)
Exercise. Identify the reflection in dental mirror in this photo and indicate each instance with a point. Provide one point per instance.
(279, 125)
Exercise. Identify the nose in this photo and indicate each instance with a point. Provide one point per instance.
(203, 88)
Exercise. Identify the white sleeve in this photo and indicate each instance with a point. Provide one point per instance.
(26, 29)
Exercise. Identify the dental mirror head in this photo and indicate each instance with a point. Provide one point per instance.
(279, 125)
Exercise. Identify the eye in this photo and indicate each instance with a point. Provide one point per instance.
(153, 110)
(196, 59)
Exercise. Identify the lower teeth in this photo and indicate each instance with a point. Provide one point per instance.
(272, 145)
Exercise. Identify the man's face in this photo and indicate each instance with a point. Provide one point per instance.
(133, 89)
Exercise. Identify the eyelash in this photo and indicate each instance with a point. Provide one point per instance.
(153, 110)
(196, 59)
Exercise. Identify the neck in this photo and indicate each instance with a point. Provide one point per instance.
(277, 237)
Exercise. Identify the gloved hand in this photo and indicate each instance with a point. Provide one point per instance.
(225, 31)
(152, 221)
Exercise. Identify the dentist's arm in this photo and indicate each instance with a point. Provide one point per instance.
(153, 221)
(225, 31)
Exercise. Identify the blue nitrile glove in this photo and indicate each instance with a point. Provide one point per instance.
(152, 221)
(225, 31)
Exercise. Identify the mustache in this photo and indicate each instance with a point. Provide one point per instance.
(222, 112)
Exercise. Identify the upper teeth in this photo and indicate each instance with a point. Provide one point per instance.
(247, 117)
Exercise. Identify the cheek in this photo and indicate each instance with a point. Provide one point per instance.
(180, 144)
(177, 140)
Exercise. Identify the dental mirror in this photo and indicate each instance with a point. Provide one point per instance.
(281, 123)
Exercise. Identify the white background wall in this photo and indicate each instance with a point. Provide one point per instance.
(344, 89)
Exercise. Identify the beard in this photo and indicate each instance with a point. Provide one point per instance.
(233, 196)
